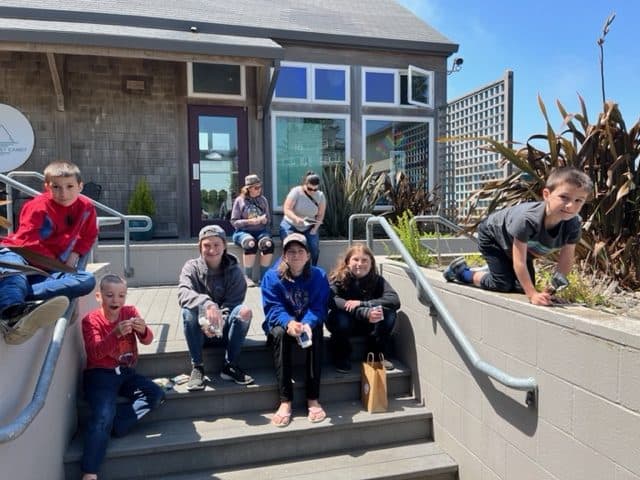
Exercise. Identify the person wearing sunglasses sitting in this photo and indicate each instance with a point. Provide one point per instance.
(304, 210)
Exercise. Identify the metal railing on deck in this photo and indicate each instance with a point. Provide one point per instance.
(529, 384)
(437, 220)
(115, 219)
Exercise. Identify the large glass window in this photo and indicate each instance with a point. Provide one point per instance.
(302, 143)
(394, 144)
(216, 80)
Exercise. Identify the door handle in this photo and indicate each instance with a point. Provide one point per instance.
(196, 171)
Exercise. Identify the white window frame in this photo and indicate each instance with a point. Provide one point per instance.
(346, 69)
(332, 116)
(221, 96)
(395, 118)
(310, 77)
(425, 73)
(396, 86)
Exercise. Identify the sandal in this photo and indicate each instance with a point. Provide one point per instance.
(316, 414)
(281, 420)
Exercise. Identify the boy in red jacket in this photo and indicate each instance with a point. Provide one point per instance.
(58, 225)
(110, 334)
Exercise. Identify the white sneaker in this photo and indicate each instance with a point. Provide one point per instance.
(35, 316)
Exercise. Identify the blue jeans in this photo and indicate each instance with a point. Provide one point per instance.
(233, 335)
(102, 387)
(343, 325)
(18, 289)
(313, 239)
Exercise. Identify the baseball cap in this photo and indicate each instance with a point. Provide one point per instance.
(297, 238)
(212, 231)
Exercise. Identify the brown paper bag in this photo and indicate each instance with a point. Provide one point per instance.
(374, 385)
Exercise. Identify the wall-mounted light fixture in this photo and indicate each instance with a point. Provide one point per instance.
(457, 65)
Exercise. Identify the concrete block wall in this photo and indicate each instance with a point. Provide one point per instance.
(587, 365)
(39, 451)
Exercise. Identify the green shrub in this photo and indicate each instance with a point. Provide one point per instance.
(410, 238)
(141, 201)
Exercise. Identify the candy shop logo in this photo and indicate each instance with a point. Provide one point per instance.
(16, 138)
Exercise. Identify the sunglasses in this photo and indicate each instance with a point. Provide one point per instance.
(255, 187)
(312, 189)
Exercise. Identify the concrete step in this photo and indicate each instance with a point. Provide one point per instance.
(222, 443)
(419, 460)
(220, 398)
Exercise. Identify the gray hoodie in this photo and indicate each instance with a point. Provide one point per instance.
(199, 285)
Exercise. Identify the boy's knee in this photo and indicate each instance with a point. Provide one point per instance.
(245, 314)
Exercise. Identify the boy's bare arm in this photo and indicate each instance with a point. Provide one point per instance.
(566, 258)
(519, 253)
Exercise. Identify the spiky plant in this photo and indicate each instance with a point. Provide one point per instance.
(609, 153)
(356, 191)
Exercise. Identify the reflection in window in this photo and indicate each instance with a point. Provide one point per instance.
(393, 146)
(305, 143)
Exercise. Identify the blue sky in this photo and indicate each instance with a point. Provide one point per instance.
(551, 48)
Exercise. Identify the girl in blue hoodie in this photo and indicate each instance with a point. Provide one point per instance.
(294, 297)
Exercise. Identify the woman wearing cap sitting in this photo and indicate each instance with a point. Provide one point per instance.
(294, 298)
(250, 217)
(304, 210)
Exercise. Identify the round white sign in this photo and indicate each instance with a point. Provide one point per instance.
(16, 138)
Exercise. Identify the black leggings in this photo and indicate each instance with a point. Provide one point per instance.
(282, 346)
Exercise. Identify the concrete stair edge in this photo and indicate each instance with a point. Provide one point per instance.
(397, 461)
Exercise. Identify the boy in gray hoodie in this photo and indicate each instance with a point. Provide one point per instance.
(213, 287)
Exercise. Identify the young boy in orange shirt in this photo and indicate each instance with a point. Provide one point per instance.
(59, 224)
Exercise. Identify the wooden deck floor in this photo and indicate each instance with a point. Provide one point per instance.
(159, 307)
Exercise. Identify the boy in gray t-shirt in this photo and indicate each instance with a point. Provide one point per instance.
(510, 238)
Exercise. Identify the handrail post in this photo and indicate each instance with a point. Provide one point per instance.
(353, 217)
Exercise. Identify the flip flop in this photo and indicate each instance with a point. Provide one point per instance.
(316, 414)
(281, 421)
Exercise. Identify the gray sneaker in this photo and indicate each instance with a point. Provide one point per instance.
(196, 380)
(455, 269)
(33, 316)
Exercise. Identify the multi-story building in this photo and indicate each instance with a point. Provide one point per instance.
(483, 113)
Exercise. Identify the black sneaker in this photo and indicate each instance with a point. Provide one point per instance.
(196, 380)
(343, 366)
(234, 373)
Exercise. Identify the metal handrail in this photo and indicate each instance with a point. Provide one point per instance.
(28, 414)
(115, 219)
(529, 384)
(439, 220)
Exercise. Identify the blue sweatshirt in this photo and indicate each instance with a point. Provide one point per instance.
(303, 299)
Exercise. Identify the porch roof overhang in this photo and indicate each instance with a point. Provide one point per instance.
(138, 42)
